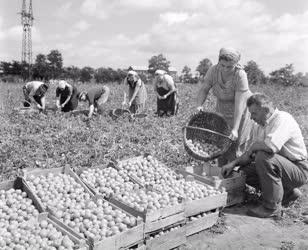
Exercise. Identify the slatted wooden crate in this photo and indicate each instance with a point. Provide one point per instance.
(234, 185)
(111, 164)
(168, 240)
(124, 240)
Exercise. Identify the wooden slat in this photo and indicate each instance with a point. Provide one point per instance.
(163, 223)
(235, 196)
(202, 223)
(167, 241)
(205, 204)
(235, 181)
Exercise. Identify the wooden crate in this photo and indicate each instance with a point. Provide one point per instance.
(199, 224)
(125, 239)
(19, 183)
(236, 182)
(155, 220)
(111, 164)
(168, 240)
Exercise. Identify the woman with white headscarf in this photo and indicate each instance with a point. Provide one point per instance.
(166, 92)
(229, 84)
(67, 96)
(137, 93)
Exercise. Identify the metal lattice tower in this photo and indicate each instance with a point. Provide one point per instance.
(27, 22)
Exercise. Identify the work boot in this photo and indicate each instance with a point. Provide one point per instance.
(290, 197)
(263, 212)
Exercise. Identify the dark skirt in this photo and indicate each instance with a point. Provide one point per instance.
(168, 106)
(72, 103)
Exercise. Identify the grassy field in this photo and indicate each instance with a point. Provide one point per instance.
(55, 139)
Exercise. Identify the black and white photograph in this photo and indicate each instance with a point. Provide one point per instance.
(153, 125)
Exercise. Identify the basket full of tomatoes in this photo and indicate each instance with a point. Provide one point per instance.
(206, 136)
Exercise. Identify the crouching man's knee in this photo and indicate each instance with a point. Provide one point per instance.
(264, 160)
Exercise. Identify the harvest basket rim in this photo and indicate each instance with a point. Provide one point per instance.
(118, 109)
(188, 126)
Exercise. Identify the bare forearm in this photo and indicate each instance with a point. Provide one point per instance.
(260, 146)
(43, 103)
(134, 94)
(170, 92)
(91, 110)
(202, 95)
(67, 100)
(238, 109)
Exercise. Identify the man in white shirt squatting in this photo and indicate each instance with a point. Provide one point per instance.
(276, 162)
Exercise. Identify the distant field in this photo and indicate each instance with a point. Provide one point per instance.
(55, 139)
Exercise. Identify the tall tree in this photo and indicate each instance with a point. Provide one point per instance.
(71, 72)
(254, 74)
(204, 66)
(86, 74)
(55, 63)
(158, 62)
(186, 76)
(285, 76)
(40, 67)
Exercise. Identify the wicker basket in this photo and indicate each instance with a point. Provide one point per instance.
(213, 130)
(120, 112)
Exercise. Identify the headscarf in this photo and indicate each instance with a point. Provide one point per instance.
(132, 72)
(160, 72)
(230, 53)
(62, 84)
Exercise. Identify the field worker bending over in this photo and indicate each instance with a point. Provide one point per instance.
(228, 82)
(276, 162)
(95, 97)
(35, 92)
(67, 96)
(137, 93)
(167, 100)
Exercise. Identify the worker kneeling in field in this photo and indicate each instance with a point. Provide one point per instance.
(96, 97)
(166, 92)
(67, 96)
(35, 92)
(137, 93)
(276, 161)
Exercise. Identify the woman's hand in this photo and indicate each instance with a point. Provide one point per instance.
(164, 97)
(234, 135)
(129, 103)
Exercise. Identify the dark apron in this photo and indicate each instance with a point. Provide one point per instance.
(168, 105)
(72, 103)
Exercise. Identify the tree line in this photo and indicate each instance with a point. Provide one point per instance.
(50, 66)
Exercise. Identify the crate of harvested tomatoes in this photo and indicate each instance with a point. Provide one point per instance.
(206, 136)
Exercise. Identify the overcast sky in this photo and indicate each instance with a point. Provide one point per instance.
(120, 33)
